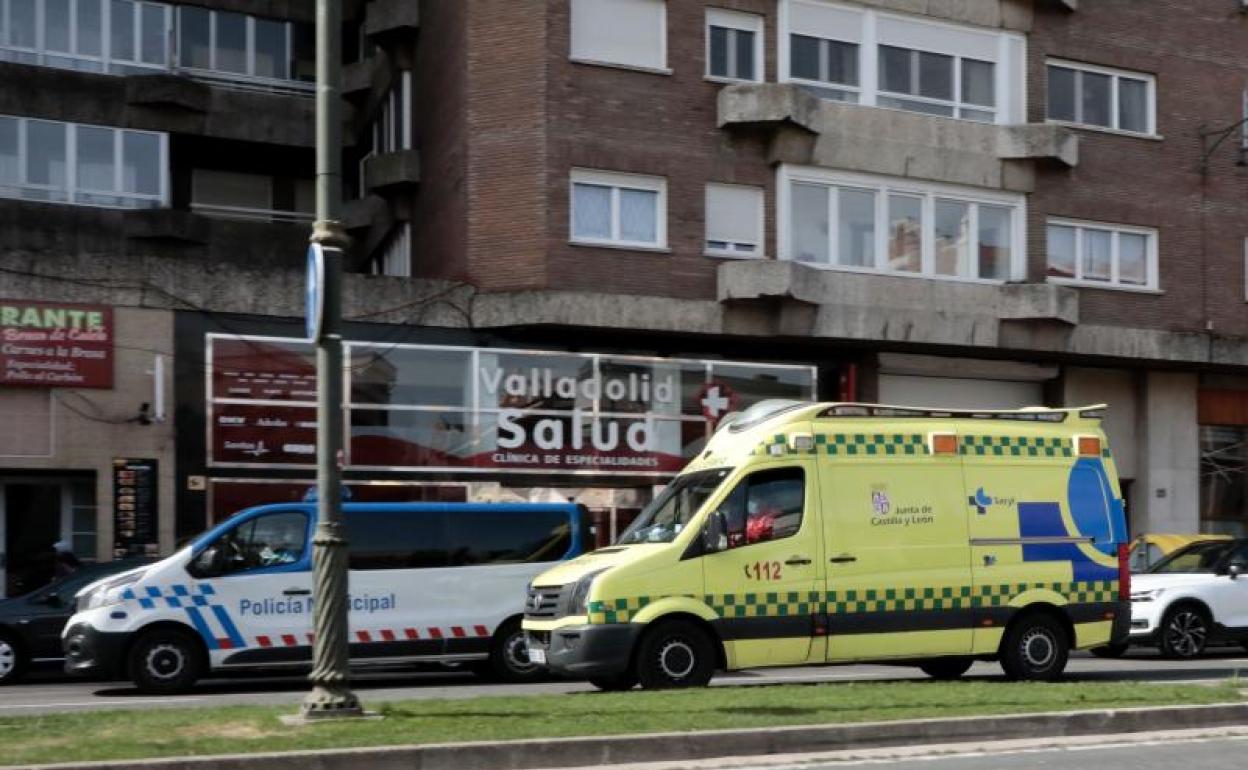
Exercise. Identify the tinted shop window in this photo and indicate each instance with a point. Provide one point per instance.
(499, 537)
(396, 540)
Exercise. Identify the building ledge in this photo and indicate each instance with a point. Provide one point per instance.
(790, 298)
(805, 130)
(386, 18)
(164, 90)
(167, 225)
(391, 170)
(357, 78)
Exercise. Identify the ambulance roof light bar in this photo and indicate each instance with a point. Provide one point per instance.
(1028, 414)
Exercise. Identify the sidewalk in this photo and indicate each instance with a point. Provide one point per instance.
(543, 754)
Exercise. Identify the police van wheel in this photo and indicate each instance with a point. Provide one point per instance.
(946, 669)
(509, 655)
(675, 654)
(165, 661)
(1035, 648)
(12, 660)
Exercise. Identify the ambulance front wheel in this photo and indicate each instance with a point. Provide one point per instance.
(165, 661)
(1035, 648)
(675, 653)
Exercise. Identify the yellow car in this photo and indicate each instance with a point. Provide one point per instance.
(1148, 549)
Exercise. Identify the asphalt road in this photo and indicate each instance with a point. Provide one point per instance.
(50, 692)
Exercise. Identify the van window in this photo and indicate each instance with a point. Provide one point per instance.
(502, 537)
(396, 539)
(455, 538)
(668, 514)
(272, 540)
(765, 506)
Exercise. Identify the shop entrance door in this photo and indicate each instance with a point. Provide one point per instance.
(31, 517)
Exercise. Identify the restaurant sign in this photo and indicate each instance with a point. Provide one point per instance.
(55, 344)
(433, 408)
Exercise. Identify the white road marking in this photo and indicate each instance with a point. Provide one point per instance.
(93, 703)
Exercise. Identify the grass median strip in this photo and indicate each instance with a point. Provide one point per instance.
(202, 731)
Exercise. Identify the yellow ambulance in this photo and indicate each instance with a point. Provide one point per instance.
(834, 533)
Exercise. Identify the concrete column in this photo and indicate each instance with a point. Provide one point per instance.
(1169, 498)
(1120, 390)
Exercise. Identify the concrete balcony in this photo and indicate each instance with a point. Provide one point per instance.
(776, 297)
(390, 171)
(391, 18)
(806, 130)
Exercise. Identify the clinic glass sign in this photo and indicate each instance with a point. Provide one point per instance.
(438, 408)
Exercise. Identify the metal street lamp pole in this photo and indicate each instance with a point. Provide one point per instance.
(331, 694)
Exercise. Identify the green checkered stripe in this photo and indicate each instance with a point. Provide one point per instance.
(1016, 446)
(774, 604)
(854, 444)
(899, 599)
(616, 610)
(1082, 592)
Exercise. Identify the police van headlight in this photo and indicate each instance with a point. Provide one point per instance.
(106, 593)
(1147, 596)
(579, 603)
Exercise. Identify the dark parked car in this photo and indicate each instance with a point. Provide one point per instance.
(30, 625)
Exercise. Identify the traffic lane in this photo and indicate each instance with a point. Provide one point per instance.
(54, 693)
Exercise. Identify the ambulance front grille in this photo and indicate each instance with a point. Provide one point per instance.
(546, 602)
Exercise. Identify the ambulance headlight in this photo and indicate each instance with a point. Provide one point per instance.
(579, 603)
(1147, 596)
(107, 592)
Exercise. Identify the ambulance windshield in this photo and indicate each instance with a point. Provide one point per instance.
(667, 516)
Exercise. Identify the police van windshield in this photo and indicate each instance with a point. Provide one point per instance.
(667, 516)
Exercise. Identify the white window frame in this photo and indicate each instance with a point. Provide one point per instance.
(249, 79)
(617, 180)
(72, 191)
(758, 252)
(742, 22)
(106, 62)
(1152, 286)
(662, 69)
(1115, 75)
(1009, 64)
(883, 187)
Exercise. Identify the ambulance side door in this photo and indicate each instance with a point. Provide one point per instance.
(254, 598)
(895, 536)
(767, 585)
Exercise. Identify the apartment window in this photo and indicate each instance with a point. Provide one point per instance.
(854, 54)
(618, 209)
(47, 160)
(392, 128)
(734, 45)
(252, 197)
(1097, 254)
(240, 48)
(629, 33)
(1101, 97)
(877, 224)
(734, 220)
(117, 36)
(395, 258)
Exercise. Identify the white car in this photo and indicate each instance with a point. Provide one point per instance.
(1197, 595)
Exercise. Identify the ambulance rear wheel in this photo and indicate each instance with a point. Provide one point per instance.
(675, 653)
(509, 655)
(1035, 648)
(946, 669)
(165, 661)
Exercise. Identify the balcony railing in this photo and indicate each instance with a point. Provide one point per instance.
(247, 214)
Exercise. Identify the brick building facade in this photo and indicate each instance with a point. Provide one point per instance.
(997, 204)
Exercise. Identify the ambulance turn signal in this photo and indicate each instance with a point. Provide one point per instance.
(942, 443)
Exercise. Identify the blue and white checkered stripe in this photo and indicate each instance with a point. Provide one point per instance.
(212, 621)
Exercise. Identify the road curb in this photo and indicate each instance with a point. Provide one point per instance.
(653, 747)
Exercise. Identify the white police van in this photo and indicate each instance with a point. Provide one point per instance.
(442, 582)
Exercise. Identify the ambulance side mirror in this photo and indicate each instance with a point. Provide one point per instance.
(715, 533)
